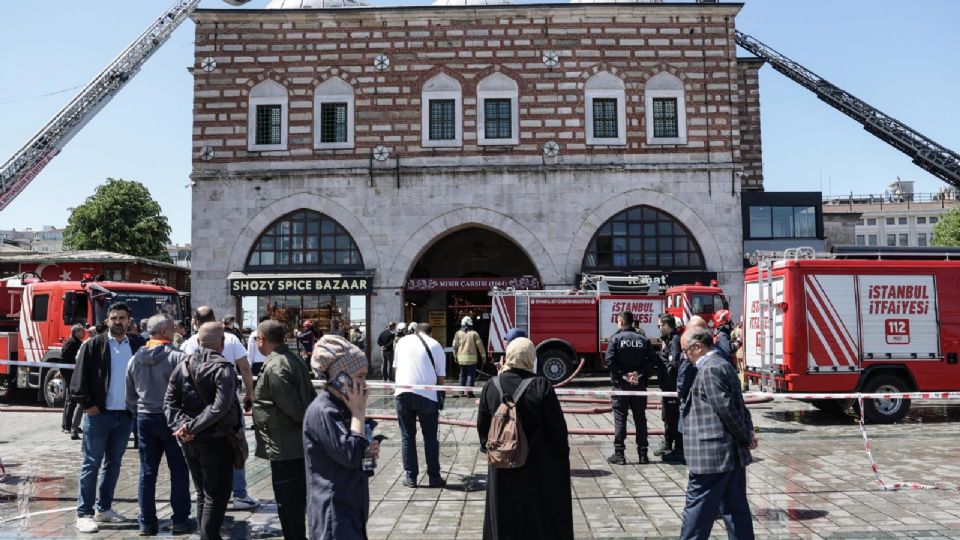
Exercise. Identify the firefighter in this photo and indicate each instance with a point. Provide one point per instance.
(668, 368)
(722, 340)
(630, 359)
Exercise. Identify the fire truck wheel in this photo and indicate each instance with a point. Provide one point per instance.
(555, 365)
(54, 388)
(885, 411)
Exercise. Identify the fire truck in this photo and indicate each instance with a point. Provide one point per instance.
(37, 317)
(569, 324)
(828, 325)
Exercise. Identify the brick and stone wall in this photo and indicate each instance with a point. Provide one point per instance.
(396, 209)
(748, 73)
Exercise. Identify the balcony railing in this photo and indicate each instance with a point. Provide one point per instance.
(944, 199)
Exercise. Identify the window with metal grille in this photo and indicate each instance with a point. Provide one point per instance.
(497, 121)
(891, 240)
(308, 240)
(269, 122)
(333, 122)
(642, 238)
(665, 123)
(443, 120)
(605, 118)
(904, 240)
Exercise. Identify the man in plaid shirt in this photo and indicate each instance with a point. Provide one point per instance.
(718, 436)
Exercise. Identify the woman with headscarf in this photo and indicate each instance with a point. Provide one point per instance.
(335, 443)
(532, 501)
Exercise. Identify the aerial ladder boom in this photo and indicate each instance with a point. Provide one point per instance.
(927, 154)
(27, 162)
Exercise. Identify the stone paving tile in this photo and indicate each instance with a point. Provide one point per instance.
(811, 480)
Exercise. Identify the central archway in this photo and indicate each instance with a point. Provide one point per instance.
(452, 279)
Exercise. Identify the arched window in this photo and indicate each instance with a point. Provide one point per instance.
(267, 117)
(666, 110)
(605, 109)
(441, 116)
(498, 106)
(333, 115)
(642, 238)
(303, 241)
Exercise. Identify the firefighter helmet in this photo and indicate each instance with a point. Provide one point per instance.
(721, 317)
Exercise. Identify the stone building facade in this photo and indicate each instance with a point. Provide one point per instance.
(578, 138)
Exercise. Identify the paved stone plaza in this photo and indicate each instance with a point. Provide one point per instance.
(811, 480)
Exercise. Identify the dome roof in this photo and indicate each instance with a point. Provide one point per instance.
(315, 4)
(470, 2)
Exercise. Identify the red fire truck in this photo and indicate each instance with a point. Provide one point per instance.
(820, 325)
(37, 317)
(567, 325)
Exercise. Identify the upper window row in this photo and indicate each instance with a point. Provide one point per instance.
(921, 220)
(783, 222)
(498, 119)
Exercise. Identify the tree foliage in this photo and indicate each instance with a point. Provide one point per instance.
(946, 233)
(122, 217)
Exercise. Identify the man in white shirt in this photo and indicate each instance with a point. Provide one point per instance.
(254, 355)
(233, 351)
(419, 359)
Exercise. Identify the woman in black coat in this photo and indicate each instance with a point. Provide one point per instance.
(532, 501)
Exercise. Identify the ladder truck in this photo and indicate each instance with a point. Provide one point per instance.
(18, 171)
(935, 158)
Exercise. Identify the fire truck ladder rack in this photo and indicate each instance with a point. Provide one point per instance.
(27, 162)
(925, 153)
(769, 304)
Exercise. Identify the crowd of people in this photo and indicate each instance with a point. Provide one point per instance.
(181, 400)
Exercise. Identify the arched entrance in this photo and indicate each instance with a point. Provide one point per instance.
(453, 277)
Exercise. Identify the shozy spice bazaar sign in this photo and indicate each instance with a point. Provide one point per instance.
(263, 286)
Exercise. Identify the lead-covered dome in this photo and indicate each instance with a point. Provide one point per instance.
(470, 2)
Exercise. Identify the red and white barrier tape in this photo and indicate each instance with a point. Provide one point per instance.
(895, 485)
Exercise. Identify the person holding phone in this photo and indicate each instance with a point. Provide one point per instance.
(281, 397)
(335, 443)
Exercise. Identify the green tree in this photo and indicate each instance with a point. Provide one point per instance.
(946, 233)
(122, 217)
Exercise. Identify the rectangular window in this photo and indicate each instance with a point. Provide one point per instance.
(904, 240)
(891, 240)
(443, 120)
(921, 239)
(805, 222)
(921, 220)
(871, 240)
(605, 118)
(38, 311)
(497, 121)
(782, 222)
(861, 240)
(901, 221)
(269, 122)
(665, 123)
(871, 221)
(760, 222)
(863, 222)
(934, 219)
(333, 122)
(891, 221)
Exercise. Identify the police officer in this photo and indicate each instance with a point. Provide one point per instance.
(630, 358)
(667, 370)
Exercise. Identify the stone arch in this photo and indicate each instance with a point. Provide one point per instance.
(663, 67)
(270, 75)
(335, 72)
(588, 73)
(680, 210)
(439, 227)
(521, 83)
(304, 200)
(424, 76)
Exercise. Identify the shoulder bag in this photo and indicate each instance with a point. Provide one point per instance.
(236, 438)
(441, 394)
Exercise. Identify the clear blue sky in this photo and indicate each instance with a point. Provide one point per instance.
(897, 55)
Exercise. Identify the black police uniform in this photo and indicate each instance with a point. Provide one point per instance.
(668, 369)
(629, 351)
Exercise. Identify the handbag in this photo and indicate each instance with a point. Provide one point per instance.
(441, 394)
(237, 439)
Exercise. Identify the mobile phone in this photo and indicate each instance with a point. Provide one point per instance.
(342, 382)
